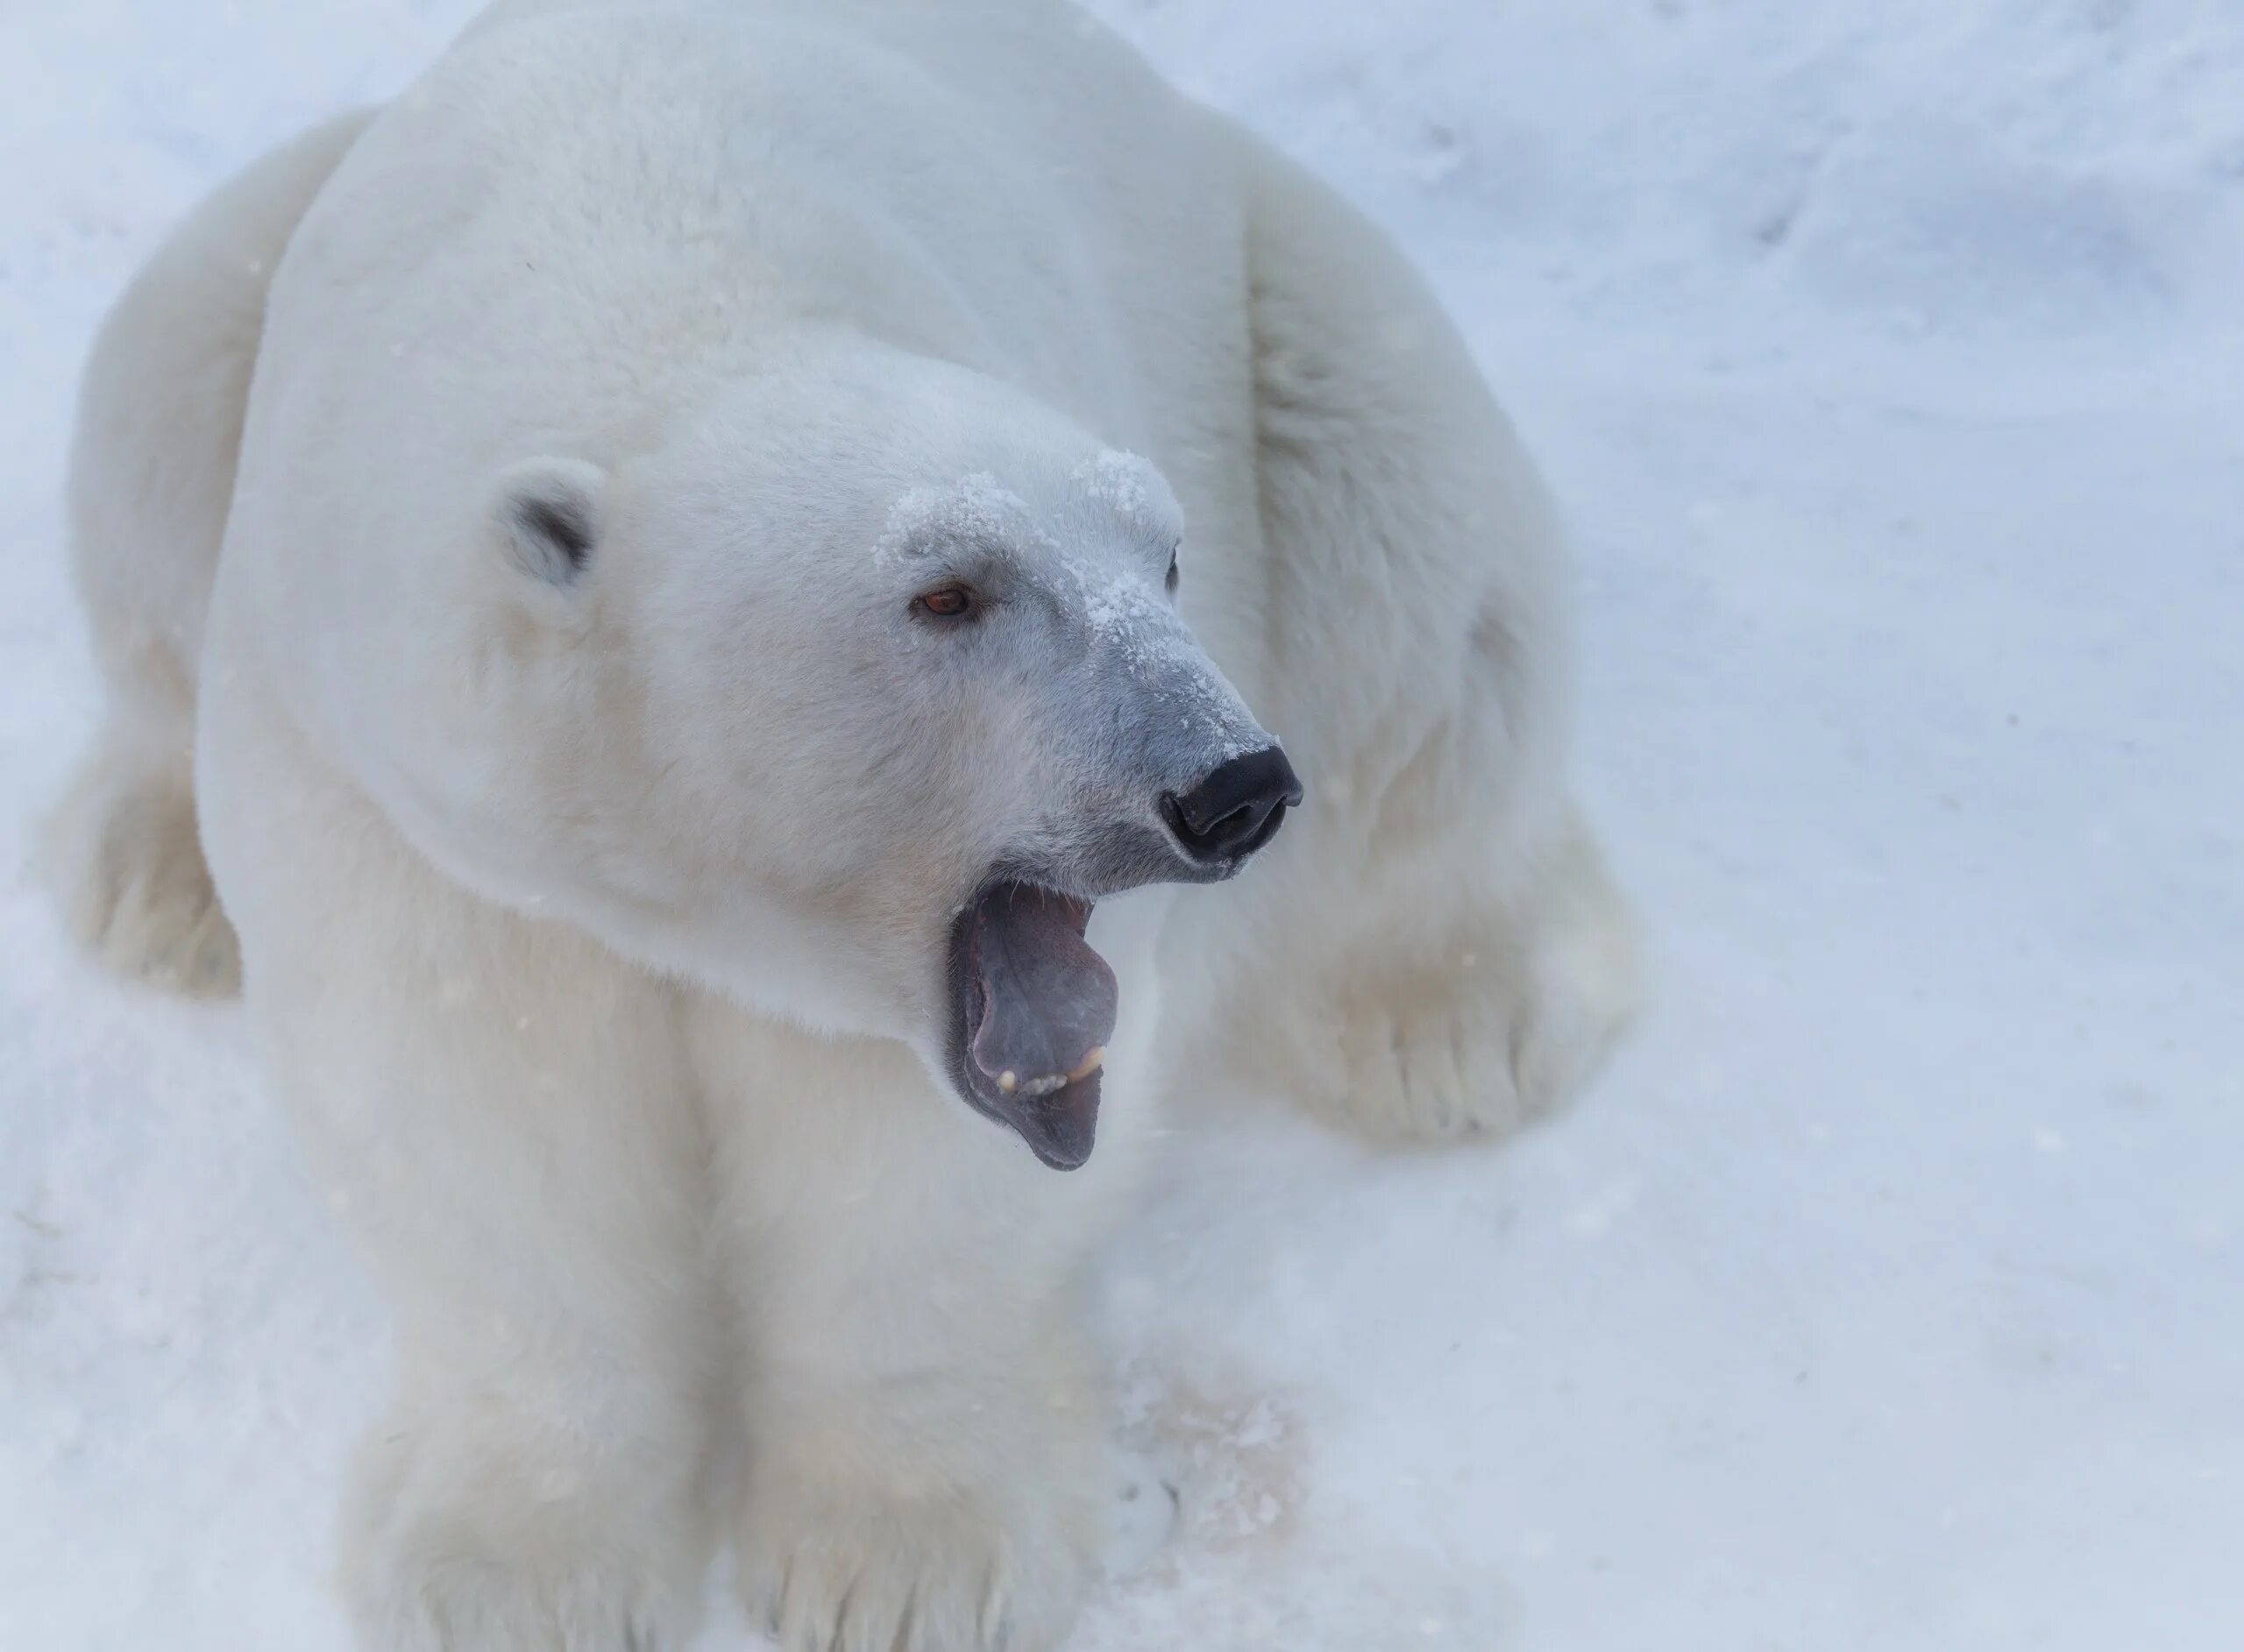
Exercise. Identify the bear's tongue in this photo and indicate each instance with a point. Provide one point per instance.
(1047, 1008)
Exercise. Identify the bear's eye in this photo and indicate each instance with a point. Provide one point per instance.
(946, 602)
(1171, 581)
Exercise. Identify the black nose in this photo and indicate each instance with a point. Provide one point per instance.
(1237, 808)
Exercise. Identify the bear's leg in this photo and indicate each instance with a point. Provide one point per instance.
(496, 1109)
(152, 475)
(923, 1427)
(1438, 951)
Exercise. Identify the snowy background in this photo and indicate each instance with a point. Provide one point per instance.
(1890, 1292)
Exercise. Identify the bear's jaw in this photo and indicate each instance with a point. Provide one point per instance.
(1032, 1008)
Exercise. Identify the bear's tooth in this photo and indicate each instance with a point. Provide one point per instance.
(1091, 1063)
(1008, 1081)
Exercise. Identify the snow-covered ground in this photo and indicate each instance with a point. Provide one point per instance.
(1890, 1292)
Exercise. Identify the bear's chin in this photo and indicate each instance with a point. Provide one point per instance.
(1032, 1010)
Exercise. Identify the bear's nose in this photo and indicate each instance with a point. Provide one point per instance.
(1237, 808)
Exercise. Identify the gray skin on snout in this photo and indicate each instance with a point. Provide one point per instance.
(1150, 730)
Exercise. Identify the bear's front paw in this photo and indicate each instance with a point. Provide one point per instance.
(454, 1544)
(460, 1601)
(855, 1572)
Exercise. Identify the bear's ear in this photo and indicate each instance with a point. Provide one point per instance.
(546, 514)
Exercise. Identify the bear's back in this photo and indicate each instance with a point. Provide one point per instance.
(584, 212)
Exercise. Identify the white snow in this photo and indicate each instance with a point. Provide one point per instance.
(978, 508)
(1890, 1292)
(1129, 485)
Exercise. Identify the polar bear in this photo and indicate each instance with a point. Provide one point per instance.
(699, 612)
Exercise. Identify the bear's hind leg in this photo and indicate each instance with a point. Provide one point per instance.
(1438, 951)
(152, 476)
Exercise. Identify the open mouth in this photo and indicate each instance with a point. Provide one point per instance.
(1032, 1010)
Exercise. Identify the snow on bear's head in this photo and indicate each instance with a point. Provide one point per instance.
(852, 696)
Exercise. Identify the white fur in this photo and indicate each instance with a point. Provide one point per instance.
(590, 916)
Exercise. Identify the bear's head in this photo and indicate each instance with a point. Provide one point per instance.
(853, 693)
